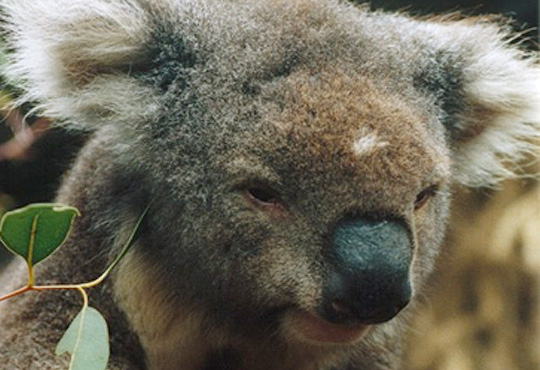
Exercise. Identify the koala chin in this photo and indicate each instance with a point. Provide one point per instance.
(296, 158)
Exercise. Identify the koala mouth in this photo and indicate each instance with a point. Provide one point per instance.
(311, 328)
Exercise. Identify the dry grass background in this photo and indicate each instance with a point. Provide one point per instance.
(483, 312)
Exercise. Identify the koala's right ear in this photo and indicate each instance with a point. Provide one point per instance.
(493, 97)
(74, 58)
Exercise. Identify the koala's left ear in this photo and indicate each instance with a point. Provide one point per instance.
(74, 58)
(495, 117)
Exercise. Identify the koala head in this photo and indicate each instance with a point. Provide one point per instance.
(298, 155)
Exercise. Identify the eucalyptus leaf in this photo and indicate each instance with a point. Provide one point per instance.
(87, 340)
(36, 231)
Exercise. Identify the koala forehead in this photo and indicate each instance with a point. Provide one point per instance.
(337, 131)
(232, 50)
(312, 78)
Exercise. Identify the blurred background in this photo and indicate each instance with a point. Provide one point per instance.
(483, 310)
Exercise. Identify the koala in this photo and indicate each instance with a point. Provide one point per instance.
(296, 157)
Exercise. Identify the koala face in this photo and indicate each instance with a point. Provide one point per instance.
(297, 157)
(289, 198)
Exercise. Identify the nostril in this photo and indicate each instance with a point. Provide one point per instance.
(341, 309)
(338, 311)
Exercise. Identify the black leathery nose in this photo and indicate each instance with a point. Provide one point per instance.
(369, 279)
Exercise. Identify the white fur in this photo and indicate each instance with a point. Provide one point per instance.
(367, 143)
(503, 94)
(63, 45)
(512, 95)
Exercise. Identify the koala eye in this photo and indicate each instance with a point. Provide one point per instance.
(425, 195)
(262, 196)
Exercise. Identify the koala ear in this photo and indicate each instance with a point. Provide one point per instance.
(74, 58)
(495, 118)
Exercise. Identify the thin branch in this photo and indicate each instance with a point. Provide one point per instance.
(15, 293)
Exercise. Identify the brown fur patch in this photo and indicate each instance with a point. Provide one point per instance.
(324, 115)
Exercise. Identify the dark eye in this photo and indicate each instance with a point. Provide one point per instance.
(425, 195)
(263, 196)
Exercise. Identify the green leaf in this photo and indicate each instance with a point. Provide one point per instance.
(87, 340)
(37, 230)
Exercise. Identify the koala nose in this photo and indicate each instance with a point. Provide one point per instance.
(369, 279)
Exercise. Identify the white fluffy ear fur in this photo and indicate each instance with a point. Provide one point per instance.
(500, 122)
(74, 58)
(509, 98)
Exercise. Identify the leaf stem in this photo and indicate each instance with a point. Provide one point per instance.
(39, 288)
(85, 297)
(125, 249)
(15, 293)
(31, 244)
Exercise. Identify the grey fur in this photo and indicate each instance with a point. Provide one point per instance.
(339, 110)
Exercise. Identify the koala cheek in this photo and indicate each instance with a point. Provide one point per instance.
(288, 277)
(429, 229)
